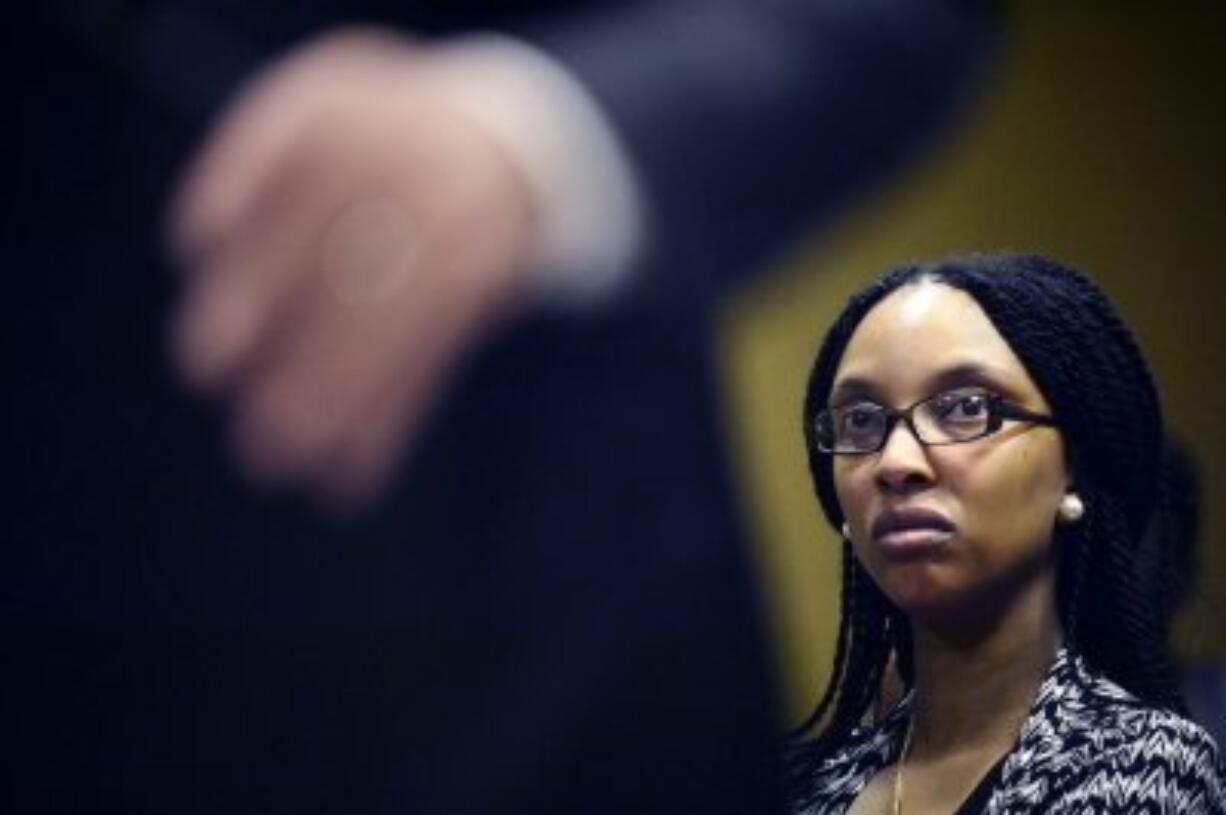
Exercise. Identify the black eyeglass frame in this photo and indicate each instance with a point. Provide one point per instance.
(999, 409)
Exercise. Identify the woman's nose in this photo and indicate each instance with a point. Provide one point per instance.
(902, 463)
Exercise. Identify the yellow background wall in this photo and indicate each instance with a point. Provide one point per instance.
(1098, 140)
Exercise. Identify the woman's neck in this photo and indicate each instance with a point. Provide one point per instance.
(973, 691)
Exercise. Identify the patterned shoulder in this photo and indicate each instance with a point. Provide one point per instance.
(1137, 757)
(1126, 723)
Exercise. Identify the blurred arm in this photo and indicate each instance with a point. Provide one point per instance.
(368, 207)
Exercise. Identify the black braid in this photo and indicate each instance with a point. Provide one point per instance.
(1114, 570)
(1086, 362)
(859, 665)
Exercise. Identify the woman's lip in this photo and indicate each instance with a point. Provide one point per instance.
(913, 541)
(906, 524)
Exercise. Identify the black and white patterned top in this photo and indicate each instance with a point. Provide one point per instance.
(1087, 746)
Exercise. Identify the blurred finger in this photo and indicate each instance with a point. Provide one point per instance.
(246, 289)
(307, 86)
(371, 448)
(357, 325)
(232, 167)
(367, 456)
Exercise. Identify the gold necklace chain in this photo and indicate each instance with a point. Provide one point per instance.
(902, 756)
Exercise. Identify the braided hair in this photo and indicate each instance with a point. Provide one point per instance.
(1110, 567)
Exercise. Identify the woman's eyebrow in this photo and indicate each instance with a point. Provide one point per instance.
(853, 386)
(958, 374)
(973, 373)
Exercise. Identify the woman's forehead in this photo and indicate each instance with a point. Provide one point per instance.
(919, 336)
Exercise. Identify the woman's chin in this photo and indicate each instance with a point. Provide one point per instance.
(926, 600)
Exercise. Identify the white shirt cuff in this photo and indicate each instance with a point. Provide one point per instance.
(592, 219)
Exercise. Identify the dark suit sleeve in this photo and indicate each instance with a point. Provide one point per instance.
(749, 120)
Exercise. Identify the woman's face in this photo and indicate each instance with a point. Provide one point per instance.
(952, 530)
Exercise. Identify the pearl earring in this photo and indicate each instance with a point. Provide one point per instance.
(846, 530)
(1071, 508)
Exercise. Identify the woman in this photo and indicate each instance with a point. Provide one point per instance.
(987, 438)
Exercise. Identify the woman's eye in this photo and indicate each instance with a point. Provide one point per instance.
(962, 406)
(859, 418)
(972, 405)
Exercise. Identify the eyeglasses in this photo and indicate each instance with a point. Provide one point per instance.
(949, 417)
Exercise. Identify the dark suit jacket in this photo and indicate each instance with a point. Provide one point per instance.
(551, 610)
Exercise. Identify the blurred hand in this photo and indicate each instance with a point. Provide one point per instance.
(344, 235)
